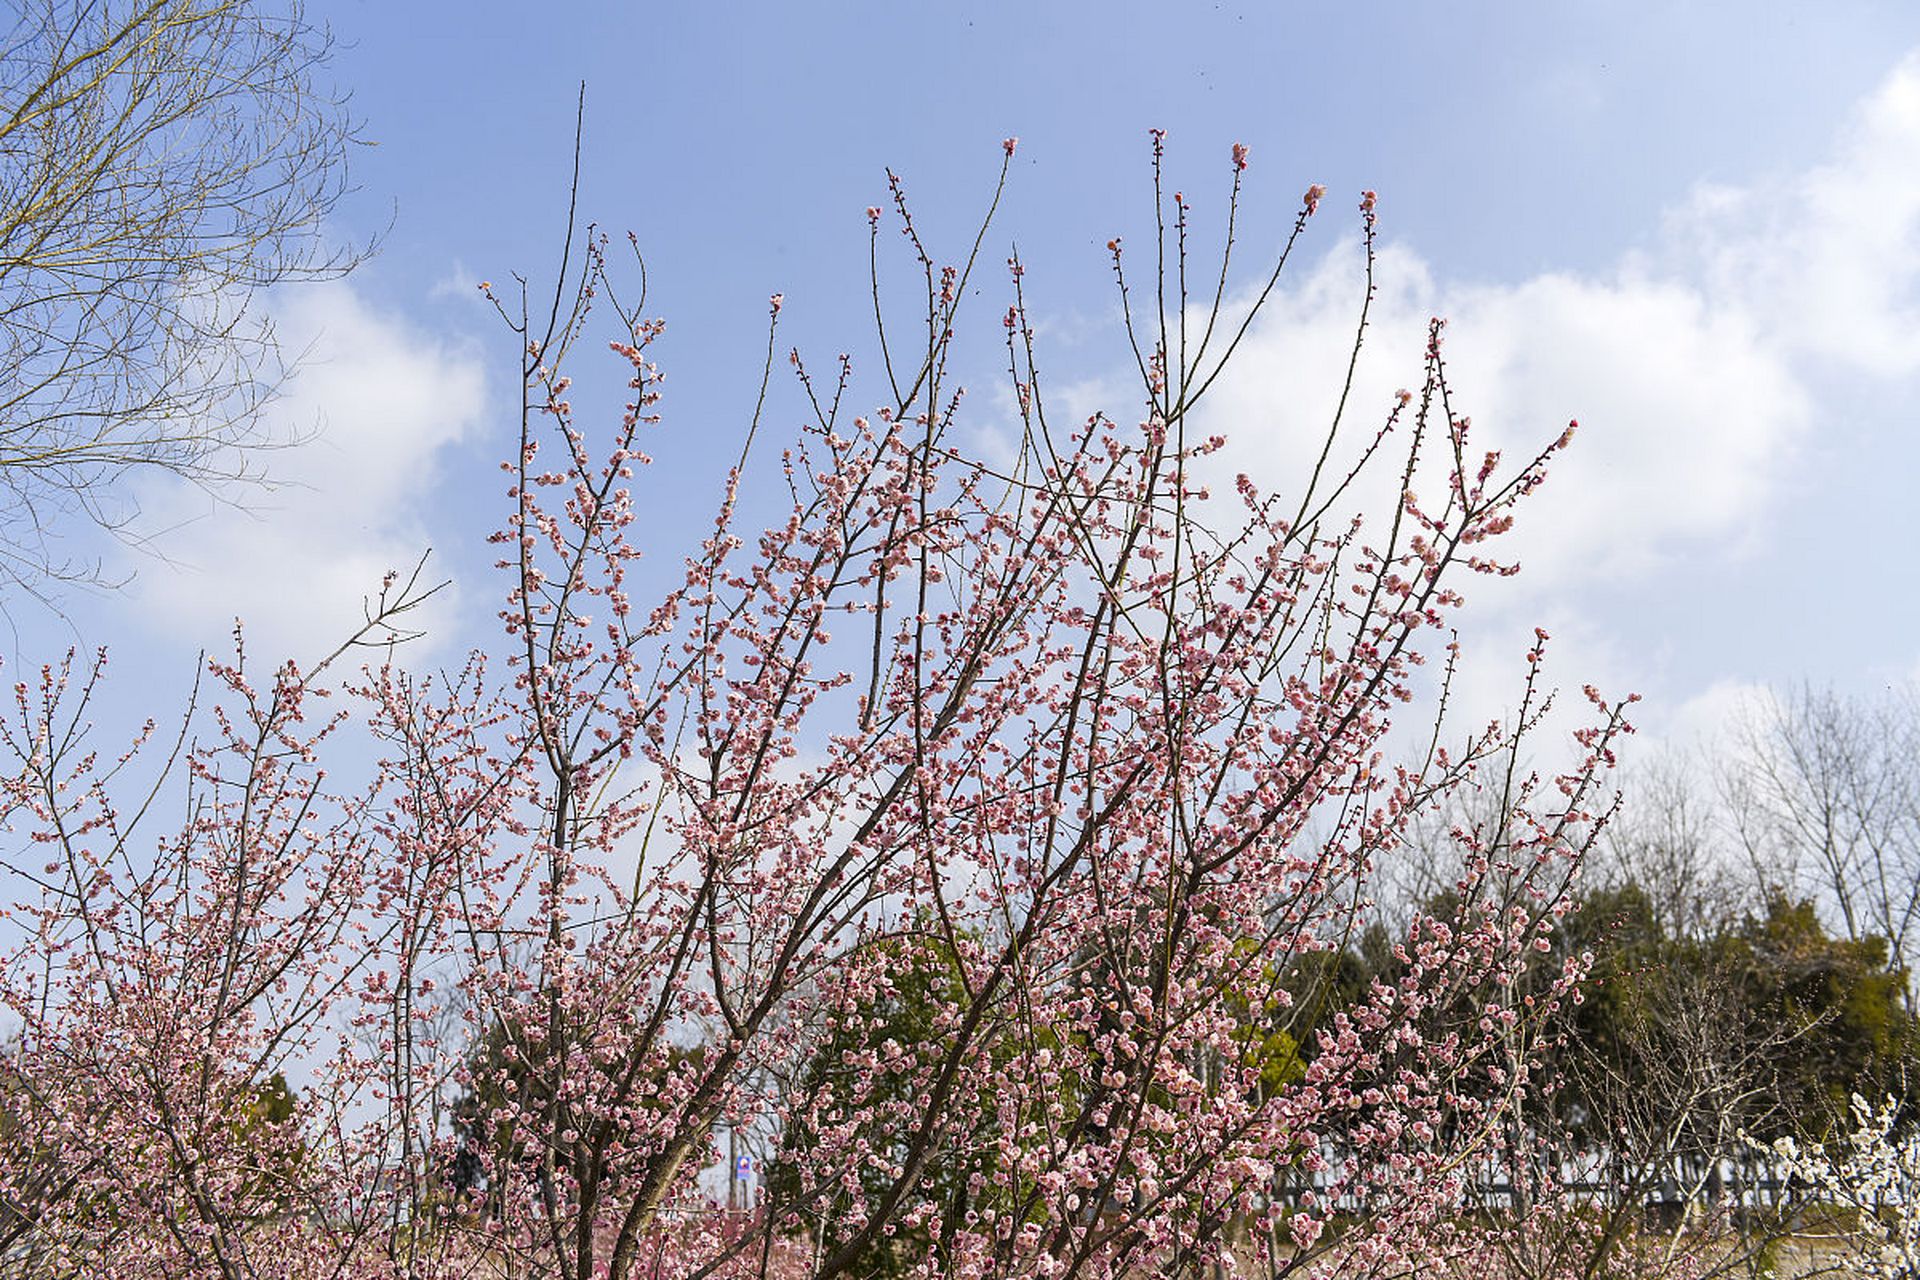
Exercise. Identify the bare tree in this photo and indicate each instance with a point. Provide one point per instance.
(1826, 799)
(1670, 840)
(1638, 1163)
(161, 161)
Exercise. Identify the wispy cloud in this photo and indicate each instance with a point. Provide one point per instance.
(374, 405)
(1694, 365)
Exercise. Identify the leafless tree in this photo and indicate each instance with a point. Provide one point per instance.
(1825, 796)
(1671, 841)
(161, 162)
(1636, 1162)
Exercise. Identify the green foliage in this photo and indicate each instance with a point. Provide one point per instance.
(1843, 1003)
(266, 1126)
(1813, 1018)
(923, 982)
(508, 1071)
(1267, 1021)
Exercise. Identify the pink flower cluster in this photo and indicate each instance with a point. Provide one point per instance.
(957, 833)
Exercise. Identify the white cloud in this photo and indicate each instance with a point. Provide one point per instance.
(1694, 368)
(458, 284)
(1826, 260)
(1685, 415)
(1704, 720)
(1686, 366)
(1686, 412)
(374, 404)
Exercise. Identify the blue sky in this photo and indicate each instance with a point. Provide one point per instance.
(1695, 227)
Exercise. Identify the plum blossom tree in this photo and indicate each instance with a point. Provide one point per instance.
(1107, 751)
(1872, 1176)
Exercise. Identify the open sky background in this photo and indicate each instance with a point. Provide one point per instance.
(1694, 227)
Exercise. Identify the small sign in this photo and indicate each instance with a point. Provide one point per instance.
(743, 1168)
